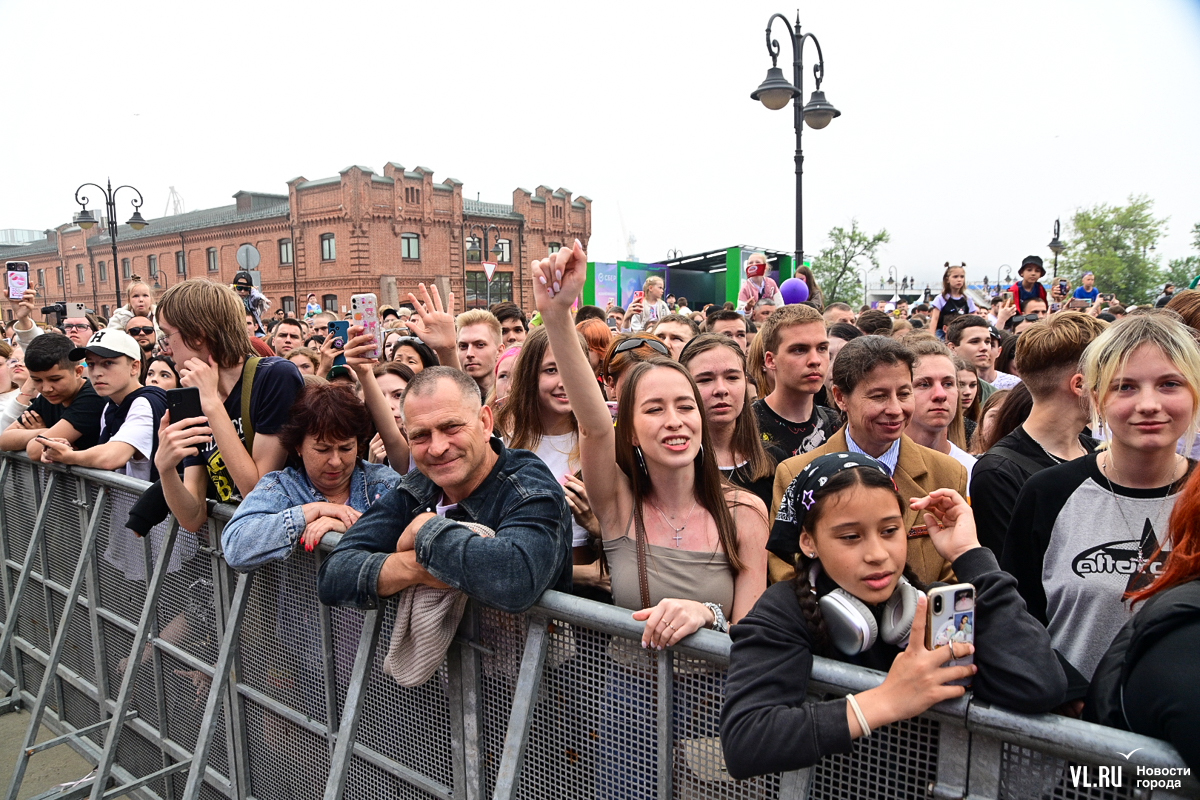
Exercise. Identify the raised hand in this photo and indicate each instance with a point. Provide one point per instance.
(430, 322)
(950, 521)
(558, 280)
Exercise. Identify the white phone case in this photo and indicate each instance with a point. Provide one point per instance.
(364, 310)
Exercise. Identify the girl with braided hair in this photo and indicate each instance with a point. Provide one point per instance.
(853, 599)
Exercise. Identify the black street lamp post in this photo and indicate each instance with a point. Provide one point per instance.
(1056, 246)
(85, 219)
(496, 251)
(775, 91)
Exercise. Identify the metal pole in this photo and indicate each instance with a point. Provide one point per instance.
(110, 202)
(798, 110)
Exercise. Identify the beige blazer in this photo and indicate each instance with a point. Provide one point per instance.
(919, 471)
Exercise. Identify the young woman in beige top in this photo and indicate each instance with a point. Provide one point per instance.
(656, 467)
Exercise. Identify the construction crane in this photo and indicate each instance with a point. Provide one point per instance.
(174, 204)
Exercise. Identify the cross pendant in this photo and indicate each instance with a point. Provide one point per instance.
(678, 537)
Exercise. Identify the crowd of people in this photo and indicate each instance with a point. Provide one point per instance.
(795, 475)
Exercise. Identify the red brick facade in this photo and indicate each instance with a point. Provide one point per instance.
(377, 223)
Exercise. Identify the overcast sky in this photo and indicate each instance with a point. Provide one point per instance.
(966, 128)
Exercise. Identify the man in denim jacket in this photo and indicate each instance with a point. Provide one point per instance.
(412, 534)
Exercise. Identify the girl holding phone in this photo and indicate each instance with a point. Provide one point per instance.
(853, 599)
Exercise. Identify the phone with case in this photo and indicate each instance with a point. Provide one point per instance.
(17, 273)
(184, 403)
(950, 617)
(340, 329)
(364, 310)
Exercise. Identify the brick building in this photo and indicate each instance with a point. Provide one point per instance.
(351, 233)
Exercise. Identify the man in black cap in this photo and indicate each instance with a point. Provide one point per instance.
(1029, 288)
(255, 301)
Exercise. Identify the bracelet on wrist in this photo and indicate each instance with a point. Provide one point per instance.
(719, 622)
(858, 714)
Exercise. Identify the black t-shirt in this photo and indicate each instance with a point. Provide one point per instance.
(83, 414)
(996, 481)
(792, 438)
(740, 476)
(277, 381)
(1160, 696)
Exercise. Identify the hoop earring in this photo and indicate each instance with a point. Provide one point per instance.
(641, 460)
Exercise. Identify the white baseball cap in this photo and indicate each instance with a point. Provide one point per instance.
(109, 343)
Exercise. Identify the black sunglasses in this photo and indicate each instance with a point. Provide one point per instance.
(146, 331)
(1025, 318)
(635, 342)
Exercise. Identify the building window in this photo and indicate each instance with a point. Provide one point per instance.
(59, 271)
(506, 256)
(412, 195)
(330, 302)
(410, 246)
(100, 265)
(79, 274)
(180, 263)
(285, 251)
(480, 296)
(289, 305)
(104, 310)
(554, 247)
(474, 249)
(41, 279)
(152, 261)
(328, 247)
(557, 212)
(126, 270)
(213, 266)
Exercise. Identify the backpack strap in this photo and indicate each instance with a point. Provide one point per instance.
(248, 373)
(1020, 459)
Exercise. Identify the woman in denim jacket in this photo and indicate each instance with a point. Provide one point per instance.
(327, 432)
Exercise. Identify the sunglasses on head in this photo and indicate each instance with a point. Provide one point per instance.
(632, 343)
(145, 331)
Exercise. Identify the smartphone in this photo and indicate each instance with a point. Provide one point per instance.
(1078, 304)
(76, 310)
(364, 310)
(1008, 297)
(184, 403)
(1055, 307)
(18, 278)
(638, 296)
(1106, 298)
(339, 329)
(612, 408)
(951, 618)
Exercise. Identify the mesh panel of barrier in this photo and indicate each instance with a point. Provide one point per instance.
(896, 761)
(1029, 773)
(286, 761)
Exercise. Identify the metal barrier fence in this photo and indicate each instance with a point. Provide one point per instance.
(181, 679)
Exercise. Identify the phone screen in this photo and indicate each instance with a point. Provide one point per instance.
(18, 279)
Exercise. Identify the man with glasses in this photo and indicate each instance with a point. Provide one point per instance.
(79, 329)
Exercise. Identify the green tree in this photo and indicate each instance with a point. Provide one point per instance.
(1181, 271)
(1196, 236)
(1115, 243)
(837, 267)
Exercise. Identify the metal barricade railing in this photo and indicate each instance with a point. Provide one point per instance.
(245, 686)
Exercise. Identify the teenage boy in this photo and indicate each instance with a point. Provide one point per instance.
(729, 323)
(67, 407)
(130, 419)
(976, 342)
(514, 327)
(223, 454)
(1048, 356)
(1088, 290)
(796, 348)
(479, 341)
(935, 400)
(1029, 288)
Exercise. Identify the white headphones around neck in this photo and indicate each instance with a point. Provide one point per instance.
(852, 626)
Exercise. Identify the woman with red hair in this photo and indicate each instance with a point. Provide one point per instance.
(1146, 682)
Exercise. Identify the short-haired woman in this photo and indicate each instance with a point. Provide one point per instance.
(1086, 532)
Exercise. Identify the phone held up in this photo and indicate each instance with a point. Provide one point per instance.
(364, 310)
(184, 403)
(17, 273)
(339, 329)
(951, 619)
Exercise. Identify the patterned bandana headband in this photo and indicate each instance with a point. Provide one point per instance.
(798, 499)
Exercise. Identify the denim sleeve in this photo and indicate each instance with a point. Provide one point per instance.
(350, 575)
(510, 570)
(265, 527)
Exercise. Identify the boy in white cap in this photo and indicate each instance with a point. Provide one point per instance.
(130, 419)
